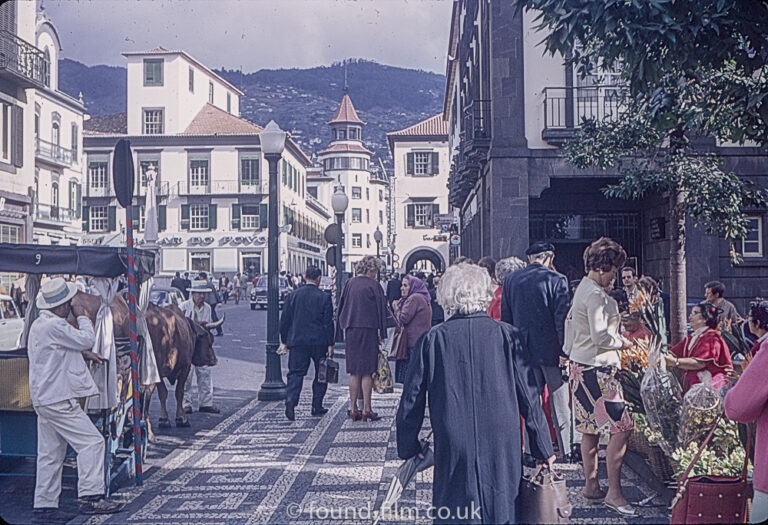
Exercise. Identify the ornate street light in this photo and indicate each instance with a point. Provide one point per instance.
(339, 203)
(377, 236)
(272, 140)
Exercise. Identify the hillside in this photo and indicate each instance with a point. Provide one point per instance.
(300, 100)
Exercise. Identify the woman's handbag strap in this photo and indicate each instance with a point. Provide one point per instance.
(750, 427)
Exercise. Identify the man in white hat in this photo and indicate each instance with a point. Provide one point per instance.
(198, 310)
(58, 376)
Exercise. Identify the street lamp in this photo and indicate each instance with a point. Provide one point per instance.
(339, 203)
(272, 140)
(377, 236)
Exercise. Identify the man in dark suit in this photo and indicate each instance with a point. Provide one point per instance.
(536, 301)
(187, 283)
(393, 289)
(178, 283)
(306, 328)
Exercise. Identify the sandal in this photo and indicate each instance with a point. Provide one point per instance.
(623, 510)
(354, 415)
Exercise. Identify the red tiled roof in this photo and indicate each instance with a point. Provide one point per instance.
(345, 148)
(346, 112)
(433, 126)
(114, 124)
(214, 121)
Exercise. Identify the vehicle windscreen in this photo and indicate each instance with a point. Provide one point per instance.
(262, 283)
(8, 310)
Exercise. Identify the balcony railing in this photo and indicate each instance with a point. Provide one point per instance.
(477, 121)
(23, 60)
(47, 212)
(162, 189)
(567, 107)
(53, 152)
(217, 187)
(315, 202)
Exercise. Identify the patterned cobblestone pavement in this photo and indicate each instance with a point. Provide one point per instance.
(255, 467)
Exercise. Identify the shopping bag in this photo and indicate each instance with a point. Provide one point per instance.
(382, 378)
(399, 348)
(544, 497)
(328, 371)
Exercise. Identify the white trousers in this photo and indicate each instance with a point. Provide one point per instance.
(204, 387)
(58, 424)
(759, 512)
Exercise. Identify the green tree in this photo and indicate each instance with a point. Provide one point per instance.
(691, 67)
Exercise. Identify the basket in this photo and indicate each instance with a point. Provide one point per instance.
(638, 443)
(660, 464)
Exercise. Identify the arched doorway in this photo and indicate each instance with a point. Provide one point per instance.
(424, 253)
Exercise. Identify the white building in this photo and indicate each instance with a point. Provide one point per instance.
(212, 180)
(420, 193)
(348, 162)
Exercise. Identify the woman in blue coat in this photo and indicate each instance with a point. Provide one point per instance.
(477, 393)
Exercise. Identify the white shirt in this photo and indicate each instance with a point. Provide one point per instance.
(201, 314)
(592, 328)
(57, 370)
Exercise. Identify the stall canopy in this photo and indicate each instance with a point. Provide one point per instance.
(96, 261)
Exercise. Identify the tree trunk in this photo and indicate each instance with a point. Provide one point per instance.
(677, 274)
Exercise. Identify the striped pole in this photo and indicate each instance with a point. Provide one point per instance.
(134, 345)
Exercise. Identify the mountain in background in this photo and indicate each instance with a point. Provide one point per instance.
(301, 101)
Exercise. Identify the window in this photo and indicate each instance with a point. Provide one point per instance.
(249, 170)
(198, 215)
(420, 215)
(367, 194)
(37, 124)
(75, 139)
(381, 217)
(46, 67)
(153, 122)
(97, 174)
(54, 200)
(191, 80)
(368, 240)
(74, 198)
(421, 163)
(357, 240)
(249, 217)
(752, 244)
(198, 173)
(153, 71)
(200, 262)
(210, 92)
(229, 103)
(357, 215)
(357, 192)
(10, 234)
(98, 216)
(367, 216)
(353, 133)
(140, 222)
(55, 134)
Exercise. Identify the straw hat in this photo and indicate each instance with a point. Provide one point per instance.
(199, 285)
(55, 292)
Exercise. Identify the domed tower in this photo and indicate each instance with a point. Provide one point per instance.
(348, 161)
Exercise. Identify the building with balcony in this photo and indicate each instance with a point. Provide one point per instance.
(421, 213)
(58, 124)
(510, 106)
(211, 183)
(348, 162)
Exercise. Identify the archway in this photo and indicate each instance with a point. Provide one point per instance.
(424, 253)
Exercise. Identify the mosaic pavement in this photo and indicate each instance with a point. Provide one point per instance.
(255, 467)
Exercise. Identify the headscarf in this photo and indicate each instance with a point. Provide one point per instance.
(415, 285)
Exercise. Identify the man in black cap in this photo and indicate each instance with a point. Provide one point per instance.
(536, 301)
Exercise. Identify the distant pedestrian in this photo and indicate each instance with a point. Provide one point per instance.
(362, 319)
(714, 292)
(466, 370)
(393, 288)
(414, 314)
(197, 309)
(238, 287)
(187, 283)
(438, 315)
(178, 283)
(306, 328)
(535, 300)
(224, 288)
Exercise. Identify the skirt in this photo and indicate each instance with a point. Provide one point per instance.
(401, 367)
(362, 352)
(598, 400)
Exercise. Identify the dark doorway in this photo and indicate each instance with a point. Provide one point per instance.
(425, 255)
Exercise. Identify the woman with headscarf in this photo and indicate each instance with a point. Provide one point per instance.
(414, 314)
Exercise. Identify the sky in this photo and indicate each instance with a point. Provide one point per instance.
(257, 34)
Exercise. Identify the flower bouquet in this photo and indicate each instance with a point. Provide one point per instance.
(702, 407)
(662, 398)
(723, 457)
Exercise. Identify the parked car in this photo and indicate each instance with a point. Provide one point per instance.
(11, 324)
(165, 295)
(326, 284)
(259, 292)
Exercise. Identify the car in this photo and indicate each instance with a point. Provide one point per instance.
(11, 324)
(259, 292)
(326, 284)
(166, 295)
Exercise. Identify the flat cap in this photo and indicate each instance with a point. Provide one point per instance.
(539, 247)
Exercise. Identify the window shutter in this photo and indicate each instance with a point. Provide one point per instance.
(435, 211)
(409, 163)
(161, 217)
(111, 218)
(410, 216)
(212, 217)
(263, 216)
(435, 163)
(78, 199)
(86, 218)
(235, 216)
(17, 153)
(185, 216)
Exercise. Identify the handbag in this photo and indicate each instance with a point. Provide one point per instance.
(399, 348)
(328, 371)
(712, 499)
(544, 497)
(382, 378)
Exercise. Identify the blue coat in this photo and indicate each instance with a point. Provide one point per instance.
(307, 318)
(535, 300)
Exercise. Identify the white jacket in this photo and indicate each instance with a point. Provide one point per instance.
(57, 370)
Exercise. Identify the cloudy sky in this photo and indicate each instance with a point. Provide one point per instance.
(257, 34)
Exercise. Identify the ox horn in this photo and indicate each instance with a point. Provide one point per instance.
(213, 326)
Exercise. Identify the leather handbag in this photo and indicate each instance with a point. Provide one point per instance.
(544, 497)
(712, 499)
(399, 348)
(328, 371)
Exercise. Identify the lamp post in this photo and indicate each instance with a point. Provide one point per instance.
(377, 236)
(339, 203)
(272, 140)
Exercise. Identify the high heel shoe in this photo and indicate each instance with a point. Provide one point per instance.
(370, 415)
(354, 415)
